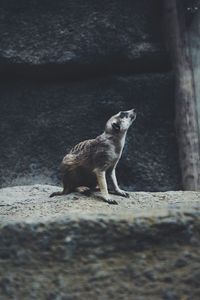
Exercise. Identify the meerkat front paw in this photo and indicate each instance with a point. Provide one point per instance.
(110, 201)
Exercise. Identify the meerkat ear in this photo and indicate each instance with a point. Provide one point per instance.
(116, 126)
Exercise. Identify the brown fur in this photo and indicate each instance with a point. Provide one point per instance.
(77, 166)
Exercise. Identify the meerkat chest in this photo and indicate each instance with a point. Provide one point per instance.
(117, 148)
(108, 152)
(119, 145)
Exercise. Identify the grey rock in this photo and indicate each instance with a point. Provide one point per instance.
(150, 274)
(170, 295)
(181, 262)
(6, 285)
(193, 279)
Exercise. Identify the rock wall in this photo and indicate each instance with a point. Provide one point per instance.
(65, 68)
(82, 37)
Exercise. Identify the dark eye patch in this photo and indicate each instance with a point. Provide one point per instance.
(123, 114)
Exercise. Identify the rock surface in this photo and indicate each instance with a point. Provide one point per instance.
(74, 247)
(73, 39)
(40, 122)
(31, 204)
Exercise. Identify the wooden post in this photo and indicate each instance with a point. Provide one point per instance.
(186, 85)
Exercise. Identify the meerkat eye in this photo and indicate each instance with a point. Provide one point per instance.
(123, 114)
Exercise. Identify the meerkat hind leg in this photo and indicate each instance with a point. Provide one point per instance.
(101, 178)
(86, 191)
(66, 188)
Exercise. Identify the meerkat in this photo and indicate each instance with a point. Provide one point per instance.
(87, 163)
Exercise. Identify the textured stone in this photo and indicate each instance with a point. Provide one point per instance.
(58, 248)
(32, 204)
(72, 38)
(40, 122)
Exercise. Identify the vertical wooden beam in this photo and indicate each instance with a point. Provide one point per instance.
(187, 124)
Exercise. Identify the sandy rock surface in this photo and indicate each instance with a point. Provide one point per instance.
(74, 247)
(32, 204)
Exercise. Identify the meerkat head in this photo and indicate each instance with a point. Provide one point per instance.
(121, 122)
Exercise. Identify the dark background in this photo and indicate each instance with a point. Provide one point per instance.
(65, 68)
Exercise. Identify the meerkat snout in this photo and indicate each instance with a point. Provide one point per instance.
(87, 163)
(133, 114)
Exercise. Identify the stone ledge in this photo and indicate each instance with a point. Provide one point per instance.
(145, 57)
(75, 247)
(32, 205)
(75, 224)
